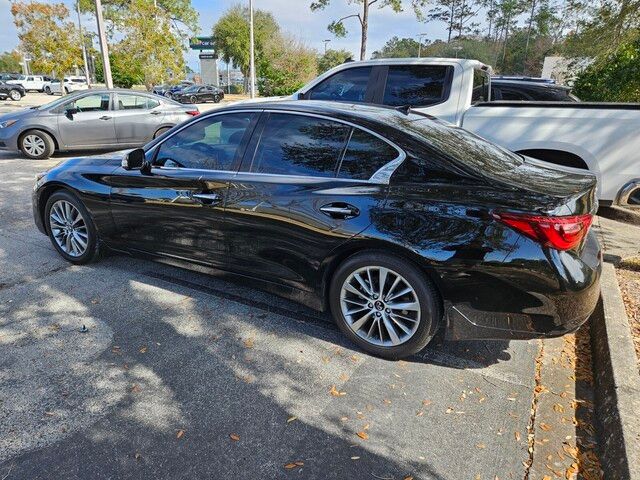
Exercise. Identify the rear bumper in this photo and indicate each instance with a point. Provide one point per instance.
(536, 302)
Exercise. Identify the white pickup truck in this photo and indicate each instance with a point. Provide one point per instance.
(601, 137)
(31, 82)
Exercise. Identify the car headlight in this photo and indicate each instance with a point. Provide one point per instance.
(7, 123)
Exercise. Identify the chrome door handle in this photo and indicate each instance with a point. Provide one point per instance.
(155, 112)
(105, 117)
(341, 211)
(207, 198)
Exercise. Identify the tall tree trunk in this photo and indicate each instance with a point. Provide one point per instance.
(460, 19)
(490, 19)
(506, 37)
(526, 48)
(365, 27)
(452, 15)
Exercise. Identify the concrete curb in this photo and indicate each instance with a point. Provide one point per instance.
(616, 382)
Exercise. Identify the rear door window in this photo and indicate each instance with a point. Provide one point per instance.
(417, 85)
(135, 102)
(299, 145)
(346, 86)
(365, 155)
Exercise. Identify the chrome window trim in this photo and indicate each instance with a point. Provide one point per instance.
(380, 176)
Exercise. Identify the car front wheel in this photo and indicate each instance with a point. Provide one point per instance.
(71, 228)
(384, 304)
(216, 99)
(36, 144)
(15, 95)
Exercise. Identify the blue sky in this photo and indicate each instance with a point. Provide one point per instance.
(294, 17)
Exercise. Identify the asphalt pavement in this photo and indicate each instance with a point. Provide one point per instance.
(185, 375)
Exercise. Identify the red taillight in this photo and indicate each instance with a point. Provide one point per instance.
(561, 233)
(193, 113)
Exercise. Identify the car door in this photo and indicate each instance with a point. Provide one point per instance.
(137, 118)
(87, 122)
(177, 208)
(286, 209)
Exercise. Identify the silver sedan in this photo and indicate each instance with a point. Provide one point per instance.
(91, 120)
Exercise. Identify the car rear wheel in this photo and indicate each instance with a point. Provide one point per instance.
(384, 304)
(71, 228)
(36, 144)
(193, 99)
(216, 98)
(47, 90)
(15, 95)
(160, 131)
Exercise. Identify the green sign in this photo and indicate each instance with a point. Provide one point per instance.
(201, 43)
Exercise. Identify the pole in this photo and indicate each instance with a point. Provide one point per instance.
(252, 66)
(326, 42)
(419, 46)
(84, 50)
(104, 48)
(228, 79)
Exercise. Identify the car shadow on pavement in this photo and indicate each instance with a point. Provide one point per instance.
(202, 389)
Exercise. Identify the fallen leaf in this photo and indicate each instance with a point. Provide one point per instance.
(291, 419)
(408, 477)
(558, 408)
(143, 349)
(363, 435)
(366, 427)
(50, 414)
(344, 377)
(546, 427)
(136, 389)
(335, 392)
(426, 403)
(517, 435)
(388, 402)
(249, 342)
(180, 434)
(234, 436)
(481, 446)
(355, 458)
(419, 413)
(291, 465)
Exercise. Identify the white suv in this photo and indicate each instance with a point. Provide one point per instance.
(71, 84)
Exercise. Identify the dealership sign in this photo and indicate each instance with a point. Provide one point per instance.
(201, 43)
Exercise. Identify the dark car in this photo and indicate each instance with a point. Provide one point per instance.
(397, 223)
(199, 94)
(12, 91)
(530, 90)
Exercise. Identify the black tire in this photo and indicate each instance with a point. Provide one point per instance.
(193, 99)
(47, 90)
(428, 298)
(93, 250)
(15, 95)
(49, 145)
(216, 99)
(160, 131)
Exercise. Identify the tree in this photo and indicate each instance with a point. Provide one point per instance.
(47, 35)
(285, 66)
(125, 71)
(10, 62)
(614, 77)
(399, 48)
(231, 36)
(332, 58)
(457, 14)
(338, 28)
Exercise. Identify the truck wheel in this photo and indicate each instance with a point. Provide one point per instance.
(36, 144)
(15, 95)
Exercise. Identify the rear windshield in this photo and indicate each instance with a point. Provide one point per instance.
(467, 150)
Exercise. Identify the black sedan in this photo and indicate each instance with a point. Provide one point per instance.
(199, 94)
(399, 224)
(12, 91)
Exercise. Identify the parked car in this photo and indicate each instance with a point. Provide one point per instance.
(71, 84)
(176, 89)
(31, 82)
(397, 223)
(161, 89)
(529, 90)
(199, 94)
(12, 91)
(598, 137)
(91, 120)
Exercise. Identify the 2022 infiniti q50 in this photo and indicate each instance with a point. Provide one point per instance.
(397, 223)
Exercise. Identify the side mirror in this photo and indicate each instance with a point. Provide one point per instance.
(70, 112)
(134, 160)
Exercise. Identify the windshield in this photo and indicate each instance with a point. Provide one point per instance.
(467, 150)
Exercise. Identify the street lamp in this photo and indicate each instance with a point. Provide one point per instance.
(252, 66)
(325, 45)
(420, 35)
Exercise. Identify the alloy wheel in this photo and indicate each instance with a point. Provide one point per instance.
(68, 228)
(33, 145)
(380, 306)
(15, 95)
